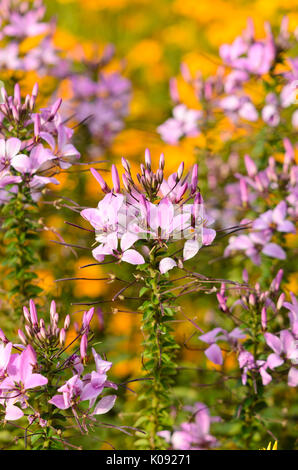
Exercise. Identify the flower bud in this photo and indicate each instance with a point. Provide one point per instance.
(180, 171)
(280, 301)
(161, 161)
(250, 166)
(67, 322)
(277, 281)
(17, 94)
(148, 159)
(33, 313)
(62, 336)
(35, 90)
(26, 314)
(55, 108)
(115, 178)
(87, 318)
(194, 179)
(159, 175)
(105, 188)
(42, 333)
(125, 164)
(264, 318)
(22, 337)
(28, 331)
(84, 346)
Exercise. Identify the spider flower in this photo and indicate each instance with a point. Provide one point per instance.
(150, 212)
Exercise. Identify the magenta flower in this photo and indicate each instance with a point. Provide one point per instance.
(203, 237)
(20, 378)
(241, 106)
(8, 150)
(124, 253)
(270, 115)
(28, 166)
(26, 25)
(293, 313)
(213, 353)
(7, 178)
(253, 244)
(71, 394)
(153, 208)
(247, 54)
(284, 348)
(275, 220)
(193, 435)
(248, 363)
(65, 153)
(5, 353)
(183, 123)
(166, 264)
(89, 387)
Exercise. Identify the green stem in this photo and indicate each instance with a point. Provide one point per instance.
(159, 357)
(20, 226)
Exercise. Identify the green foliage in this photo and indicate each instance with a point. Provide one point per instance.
(20, 237)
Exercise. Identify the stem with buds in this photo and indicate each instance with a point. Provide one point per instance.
(20, 228)
(159, 355)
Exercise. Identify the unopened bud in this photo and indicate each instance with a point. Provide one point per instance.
(161, 161)
(264, 318)
(115, 178)
(180, 171)
(67, 322)
(105, 188)
(22, 337)
(148, 159)
(125, 164)
(17, 94)
(33, 312)
(43, 333)
(26, 314)
(62, 336)
(55, 108)
(280, 301)
(28, 331)
(83, 346)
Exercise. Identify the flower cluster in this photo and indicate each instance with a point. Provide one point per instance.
(41, 143)
(283, 343)
(40, 360)
(246, 59)
(20, 22)
(100, 99)
(155, 210)
(195, 433)
(273, 223)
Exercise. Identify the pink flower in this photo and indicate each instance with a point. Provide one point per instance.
(64, 152)
(71, 394)
(183, 123)
(275, 220)
(193, 435)
(284, 347)
(8, 150)
(28, 166)
(20, 378)
(89, 387)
